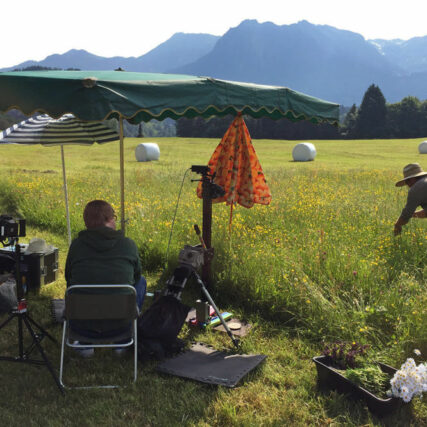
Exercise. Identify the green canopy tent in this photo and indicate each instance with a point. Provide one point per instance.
(136, 97)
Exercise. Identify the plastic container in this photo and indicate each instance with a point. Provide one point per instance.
(329, 378)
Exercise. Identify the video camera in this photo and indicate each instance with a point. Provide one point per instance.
(192, 255)
(190, 258)
(11, 228)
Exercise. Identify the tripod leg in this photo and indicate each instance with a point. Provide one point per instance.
(211, 302)
(20, 333)
(20, 338)
(41, 329)
(7, 321)
(42, 353)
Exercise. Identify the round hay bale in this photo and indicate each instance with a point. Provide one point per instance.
(304, 152)
(422, 148)
(147, 151)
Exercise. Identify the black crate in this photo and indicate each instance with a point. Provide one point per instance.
(36, 269)
(329, 377)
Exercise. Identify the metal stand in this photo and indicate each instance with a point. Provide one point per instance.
(210, 191)
(176, 284)
(21, 314)
(211, 302)
(207, 227)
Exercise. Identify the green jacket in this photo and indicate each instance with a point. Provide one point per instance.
(102, 256)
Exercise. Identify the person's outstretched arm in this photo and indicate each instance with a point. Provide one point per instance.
(420, 214)
(398, 225)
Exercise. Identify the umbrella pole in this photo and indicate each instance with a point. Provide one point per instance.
(122, 178)
(207, 228)
(67, 209)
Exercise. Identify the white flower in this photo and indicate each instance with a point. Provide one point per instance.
(417, 352)
(410, 380)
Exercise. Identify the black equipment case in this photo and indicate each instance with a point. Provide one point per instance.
(36, 269)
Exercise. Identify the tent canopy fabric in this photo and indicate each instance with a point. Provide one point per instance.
(101, 95)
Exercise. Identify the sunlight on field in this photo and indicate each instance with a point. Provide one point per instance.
(321, 259)
(322, 252)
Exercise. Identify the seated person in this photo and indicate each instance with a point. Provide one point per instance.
(103, 255)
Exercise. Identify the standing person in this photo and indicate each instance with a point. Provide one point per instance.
(103, 255)
(416, 179)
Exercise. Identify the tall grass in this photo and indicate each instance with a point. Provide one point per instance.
(321, 257)
(321, 260)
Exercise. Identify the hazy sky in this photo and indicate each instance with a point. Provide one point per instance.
(35, 29)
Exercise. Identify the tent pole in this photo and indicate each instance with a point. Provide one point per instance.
(67, 209)
(122, 178)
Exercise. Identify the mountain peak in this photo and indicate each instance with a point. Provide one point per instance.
(320, 60)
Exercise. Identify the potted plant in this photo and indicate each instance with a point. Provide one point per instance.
(348, 368)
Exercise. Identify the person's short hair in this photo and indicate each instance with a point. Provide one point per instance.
(97, 213)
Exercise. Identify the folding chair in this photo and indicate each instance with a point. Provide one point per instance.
(95, 303)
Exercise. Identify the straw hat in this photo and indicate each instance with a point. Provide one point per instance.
(412, 170)
(38, 246)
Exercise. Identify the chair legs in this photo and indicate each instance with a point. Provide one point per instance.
(135, 350)
(61, 365)
(66, 343)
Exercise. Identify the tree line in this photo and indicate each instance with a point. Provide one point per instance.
(377, 119)
(263, 128)
(374, 118)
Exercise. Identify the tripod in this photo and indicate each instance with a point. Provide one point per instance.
(36, 332)
(186, 270)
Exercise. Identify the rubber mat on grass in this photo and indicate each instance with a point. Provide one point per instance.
(205, 364)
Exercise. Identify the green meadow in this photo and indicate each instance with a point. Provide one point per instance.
(319, 264)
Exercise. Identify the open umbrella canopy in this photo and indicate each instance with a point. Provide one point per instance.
(66, 130)
(236, 169)
(45, 130)
(98, 95)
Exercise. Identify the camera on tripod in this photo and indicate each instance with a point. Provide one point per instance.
(213, 191)
(37, 262)
(11, 228)
(192, 255)
(10, 260)
(190, 258)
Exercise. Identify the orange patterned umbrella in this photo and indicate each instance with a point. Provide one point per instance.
(237, 169)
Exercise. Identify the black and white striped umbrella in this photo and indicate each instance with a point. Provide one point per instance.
(48, 131)
(67, 129)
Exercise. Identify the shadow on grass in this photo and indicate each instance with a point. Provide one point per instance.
(339, 406)
(30, 395)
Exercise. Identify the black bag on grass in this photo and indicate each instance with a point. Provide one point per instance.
(159, 326)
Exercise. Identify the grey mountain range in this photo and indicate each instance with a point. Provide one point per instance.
(319, 60)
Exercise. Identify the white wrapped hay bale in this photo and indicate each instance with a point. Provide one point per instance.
(304, 152)
(147, 151)
(422, 148)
